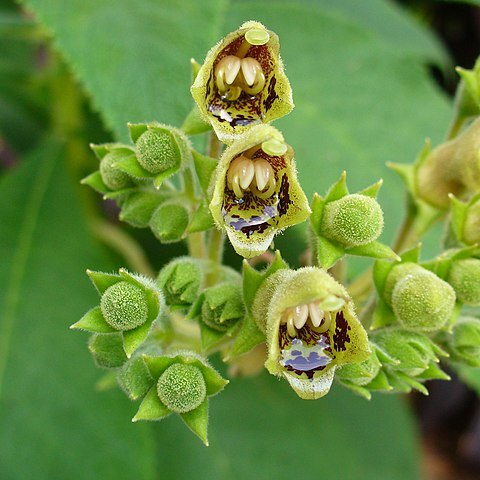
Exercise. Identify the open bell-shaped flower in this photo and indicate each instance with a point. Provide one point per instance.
(311, 328)
(255, 191)
(242, 82)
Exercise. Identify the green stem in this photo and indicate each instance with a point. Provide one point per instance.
(196, 245)
(215, 254)
(125, 245)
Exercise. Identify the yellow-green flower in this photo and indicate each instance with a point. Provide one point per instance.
(311, 328)
(242, 82)
(255, 191)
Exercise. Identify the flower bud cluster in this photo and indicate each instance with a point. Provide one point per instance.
(134, 177)
(401, 361)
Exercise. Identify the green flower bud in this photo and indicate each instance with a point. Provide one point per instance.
(398, 272)
(464, 343)
(422, 301)
(180, 281)
(413, 351)
(182, 388)
(242, 82)
(124, 306)
(157, 151)
(169, 222)
(222, 306)
(112, 176)
(107, 350)
(464, 277)
(182, 384)
(255, 191)
(138, 208)
(129, 305)
(311, 328)
(352, 220)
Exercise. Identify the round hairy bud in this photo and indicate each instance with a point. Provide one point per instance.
(464, 277)
(169, 222)
(352, 220)
(107, 350)
(464, 343)
(124, 306)
(422, 301)
(181, 388)
(396, 274)
(111, 175)
(157, 151)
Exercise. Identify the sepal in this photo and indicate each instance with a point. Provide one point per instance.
(107, 350)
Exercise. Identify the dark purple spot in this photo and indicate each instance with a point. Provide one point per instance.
(271, 96)
(341, 336)
(283, 196)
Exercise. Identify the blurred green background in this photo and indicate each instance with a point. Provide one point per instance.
(76, 71)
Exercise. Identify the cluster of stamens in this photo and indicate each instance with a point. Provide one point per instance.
(254, 175)
(235, 75)
(307, 314)
(238, 73)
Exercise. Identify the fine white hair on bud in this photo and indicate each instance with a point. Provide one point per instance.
(124, 306)
(182, 387)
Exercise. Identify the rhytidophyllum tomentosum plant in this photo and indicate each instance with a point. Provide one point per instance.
(385, 331)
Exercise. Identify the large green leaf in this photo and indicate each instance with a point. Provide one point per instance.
(53, 424)
(260, 429)
(133, 56)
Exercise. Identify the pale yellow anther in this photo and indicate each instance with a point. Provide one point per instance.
(292, 332)
(250, 67)
(274, 147)
(307, 315)
(263, 173)
(234, 75)
(226, 71)
(300, 316)
(257, 36)
(316, 315)
(256, 176)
